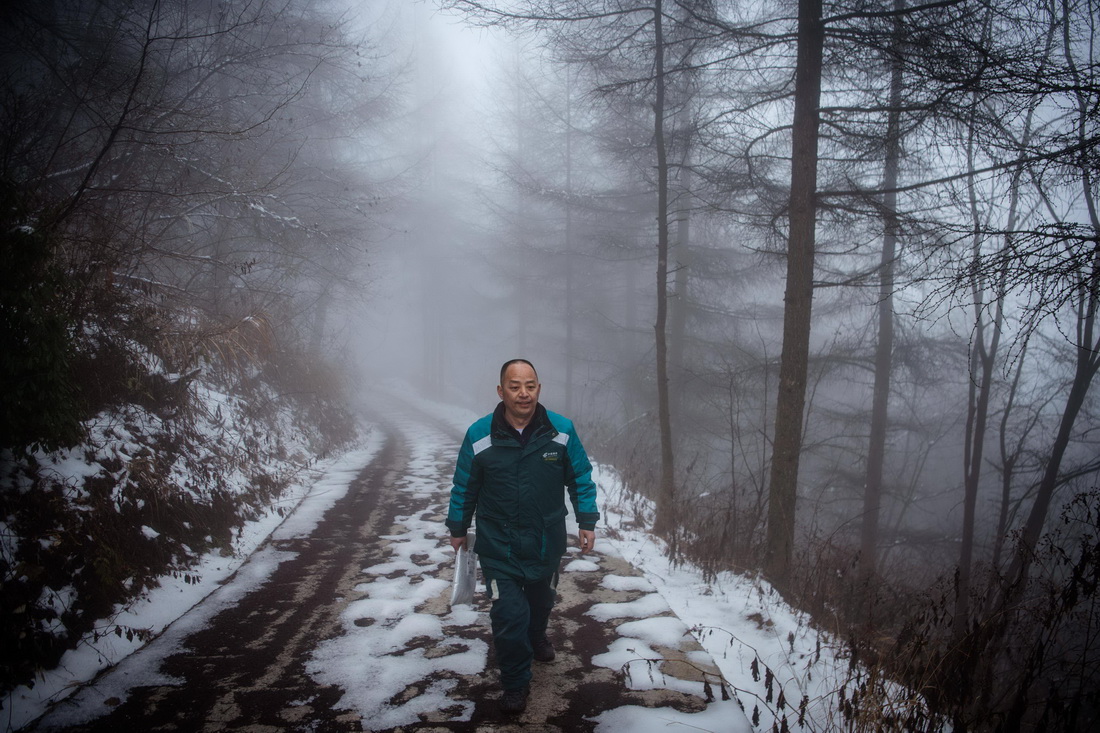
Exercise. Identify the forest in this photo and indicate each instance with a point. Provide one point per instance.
(819, 278)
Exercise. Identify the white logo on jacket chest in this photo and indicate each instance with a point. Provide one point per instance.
(550, 455)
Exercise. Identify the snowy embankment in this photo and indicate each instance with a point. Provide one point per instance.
(777, 664)
(178, 606)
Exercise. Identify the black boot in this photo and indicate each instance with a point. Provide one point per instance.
(515, 701)
(543, 649)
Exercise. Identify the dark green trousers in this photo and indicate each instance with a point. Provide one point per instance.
(520, 613)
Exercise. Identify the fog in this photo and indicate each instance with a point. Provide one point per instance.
(519, 218)
(426, 320)
(466, 276)
(828, 298)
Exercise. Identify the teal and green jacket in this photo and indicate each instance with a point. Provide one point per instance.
(518, 492)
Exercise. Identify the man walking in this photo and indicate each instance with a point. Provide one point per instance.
(513, 471)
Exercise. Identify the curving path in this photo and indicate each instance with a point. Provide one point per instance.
(352, 632)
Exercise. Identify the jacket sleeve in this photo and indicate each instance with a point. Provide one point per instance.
(464, 492)
(582, 489)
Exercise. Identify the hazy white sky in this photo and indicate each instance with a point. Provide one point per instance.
(458, 57)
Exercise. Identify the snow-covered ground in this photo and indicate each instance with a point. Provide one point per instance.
(742, 623)
(378, 627)
(182, 605)
(740, 620)
(775, 662)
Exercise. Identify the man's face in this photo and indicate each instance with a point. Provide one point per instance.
(520, 391)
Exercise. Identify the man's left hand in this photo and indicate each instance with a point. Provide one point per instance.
(587, 539)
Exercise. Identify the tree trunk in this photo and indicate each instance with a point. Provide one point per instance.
(682, 261)
(570, 348)
(884, 348)
(982, 356)
(1087, 352)
(794, 360)
(733, 525)
(678, 326)
(1016, 577)
(1009, 457)
(978, 400)
(523, 310)
(1088, 362)
(665, 521)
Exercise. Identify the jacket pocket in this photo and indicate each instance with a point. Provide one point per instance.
(554, 538)
(491, 539)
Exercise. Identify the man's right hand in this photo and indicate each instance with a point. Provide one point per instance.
(457, 542)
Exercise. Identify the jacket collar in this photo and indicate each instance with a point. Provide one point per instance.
(504, 433)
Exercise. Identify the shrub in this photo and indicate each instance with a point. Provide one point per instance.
(39, 407)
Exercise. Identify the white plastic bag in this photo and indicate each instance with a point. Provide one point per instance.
(462, 589)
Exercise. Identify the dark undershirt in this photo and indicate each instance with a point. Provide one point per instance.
(520, 436)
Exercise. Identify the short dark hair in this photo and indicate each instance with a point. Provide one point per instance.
(510, 362)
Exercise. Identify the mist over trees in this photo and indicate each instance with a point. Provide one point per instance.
(185, 168)
(874, 235)
(819, 278)
(187, 193)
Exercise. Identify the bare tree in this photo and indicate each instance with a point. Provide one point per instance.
(783, 490)
(1080, 288)
(174, 149)
(884, 345)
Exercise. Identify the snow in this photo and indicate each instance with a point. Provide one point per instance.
(719, 716)
(647, 605)
(624, 582)
(641, 664)
(177, 607)
(385, 620)
(581, 566)
(737, 619)
(661, 630)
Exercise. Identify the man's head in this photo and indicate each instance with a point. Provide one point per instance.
(519, 390)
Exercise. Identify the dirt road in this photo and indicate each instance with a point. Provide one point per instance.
(255, 666)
